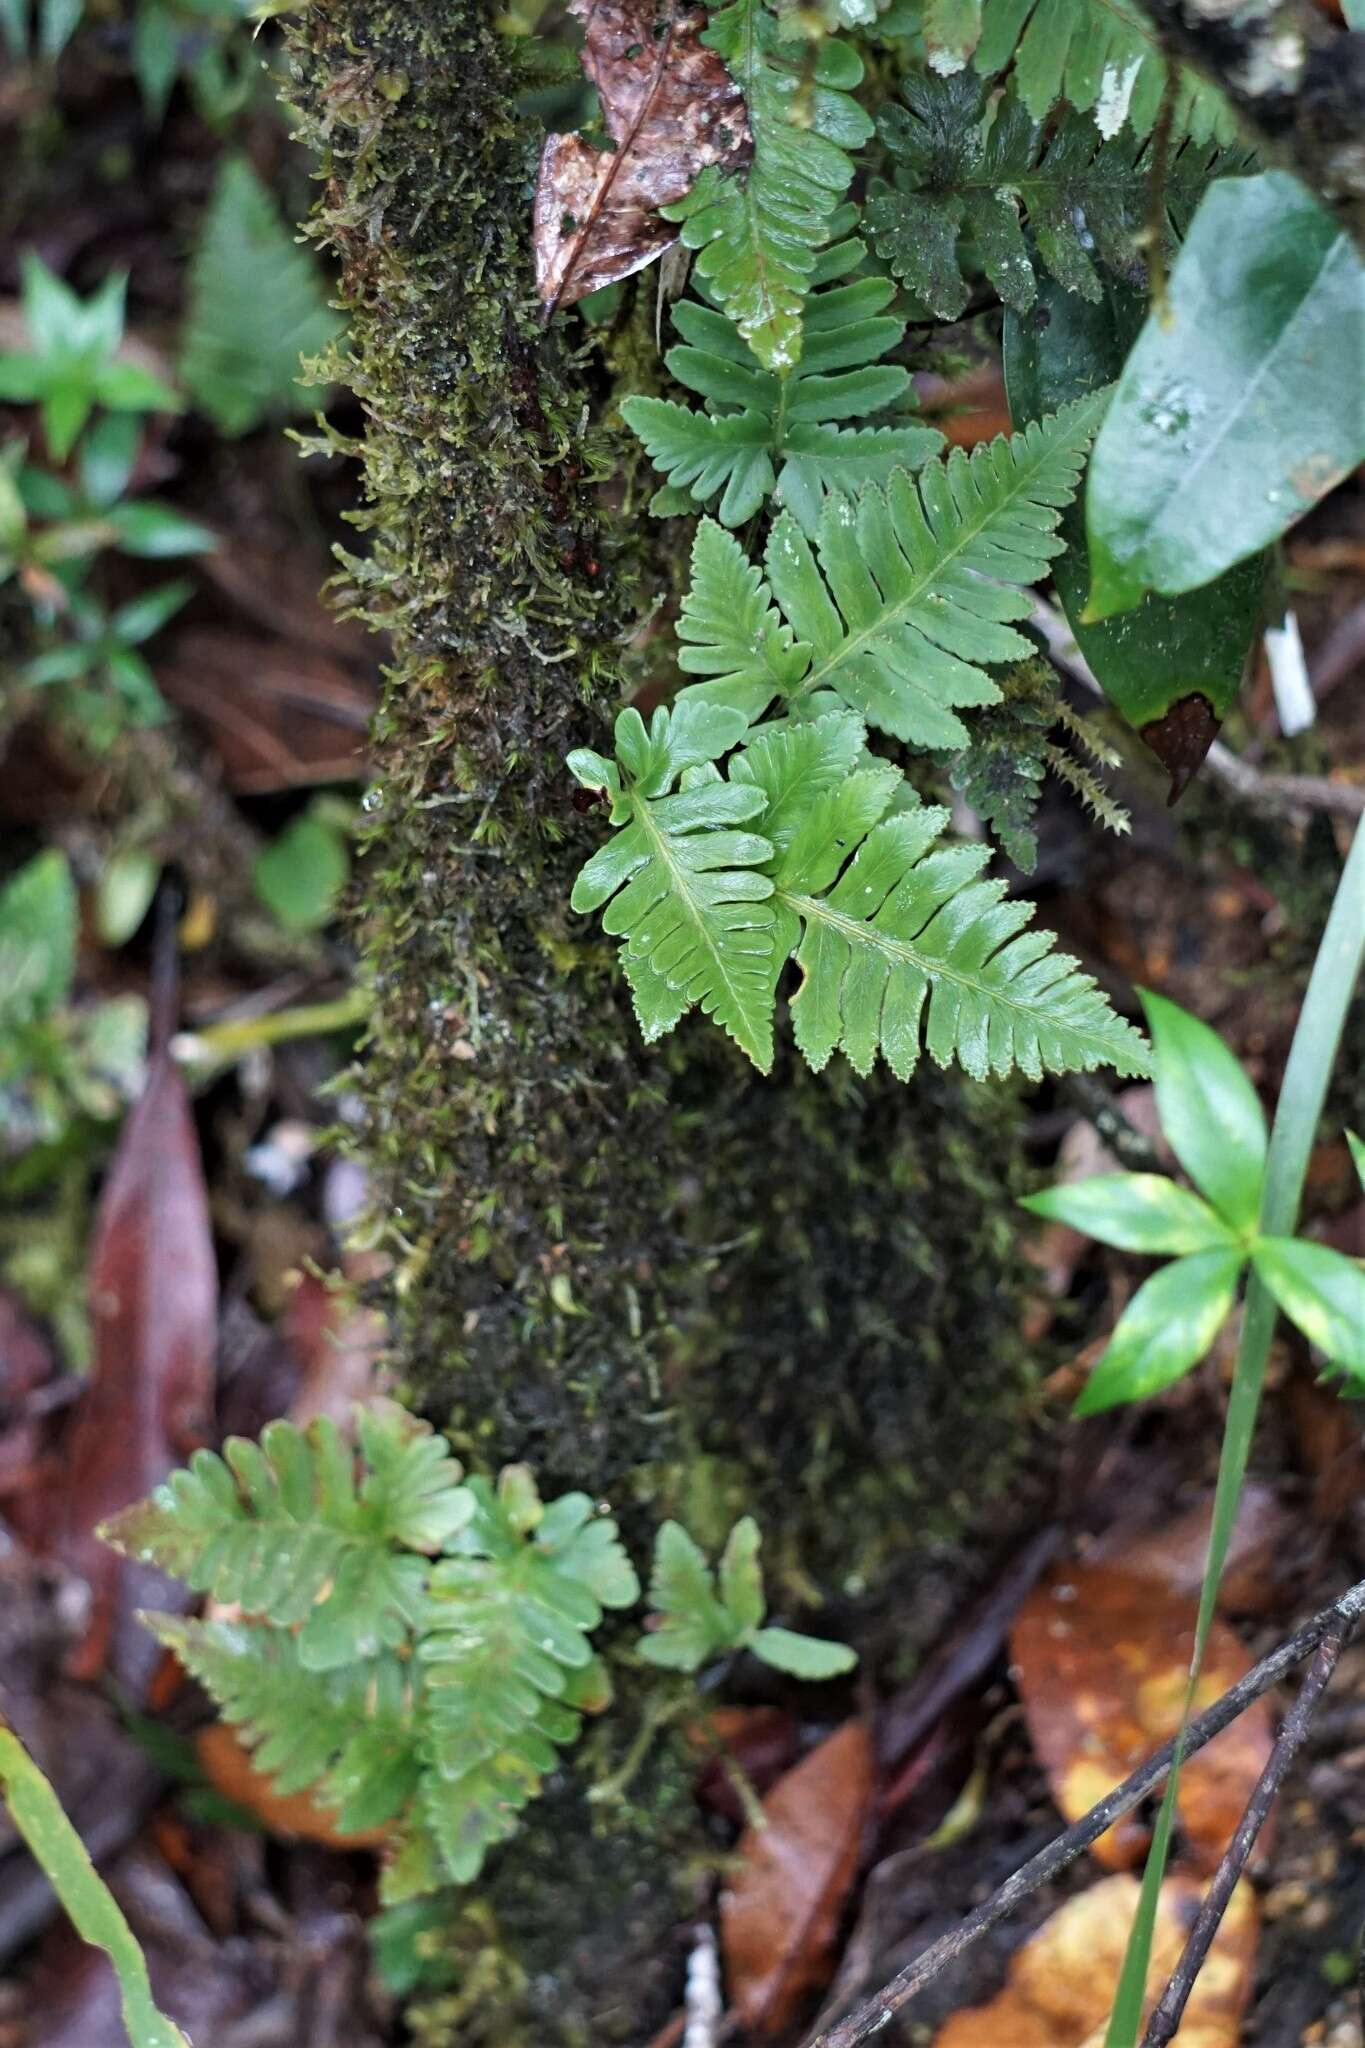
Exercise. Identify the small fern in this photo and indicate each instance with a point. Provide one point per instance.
(958, 170)
(1101, 55)
(413, 1648)
(700, 1615)
(758, 230)
(896, 937)
(905, 594)
(761, 435)
(1002, 769)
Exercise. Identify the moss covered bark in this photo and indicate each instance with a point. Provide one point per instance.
(654, 1275)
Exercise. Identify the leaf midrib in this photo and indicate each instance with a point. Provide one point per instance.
(659, 844)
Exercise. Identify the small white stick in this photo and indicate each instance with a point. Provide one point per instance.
(1294, 699)
(703, 2000)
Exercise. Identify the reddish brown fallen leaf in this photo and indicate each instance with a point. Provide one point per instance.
(280, 716)
(1261, 1554)
(762, 1741)
(1061, 1984)
(1101, 1657)
(153, 1287)
(671, 108)
(296, 1815)
(338, 1345)
(780, 1912)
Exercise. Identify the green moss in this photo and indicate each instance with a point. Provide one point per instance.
(649, 1273)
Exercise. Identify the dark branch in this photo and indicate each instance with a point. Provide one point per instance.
(1296, 79)
(1171, 2007)
(875, 2013)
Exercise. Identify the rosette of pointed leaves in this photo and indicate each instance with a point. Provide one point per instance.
(758, 230)
(761, 434)
(905, 596)
(959, 171)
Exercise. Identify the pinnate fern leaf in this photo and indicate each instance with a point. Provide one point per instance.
(700, 1614)
(898, 936)
(761, 434)
(758, 230)
(905, 594)
(680, 883)
(956, 171)
(284, 1531)
(348, 1736)
(507, 1660)
(1101, 55)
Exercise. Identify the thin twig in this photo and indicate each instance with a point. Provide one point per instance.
(875, 2013)
(1170, 2009)
(1279, 793)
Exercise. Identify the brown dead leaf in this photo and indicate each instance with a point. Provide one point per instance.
(1101, 1657)
(780, 1912)
(280, 716)
(1061, 1984)
(761, 1742)
(671, 108)
(153, 1286)
(295, 1815)
(1262, 1551)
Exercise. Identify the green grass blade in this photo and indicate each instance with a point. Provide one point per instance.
(90, 1905)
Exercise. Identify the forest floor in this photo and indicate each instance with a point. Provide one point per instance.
(256, 1934)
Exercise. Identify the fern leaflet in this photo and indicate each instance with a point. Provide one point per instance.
(1101, 55)
(762, 435)
(702, 1614)
(889, 928)
(956, 171)
(905, 594)
(281, 1529)
(679, 882)
(759, 230)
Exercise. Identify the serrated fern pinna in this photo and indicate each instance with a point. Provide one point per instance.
(414, 1647)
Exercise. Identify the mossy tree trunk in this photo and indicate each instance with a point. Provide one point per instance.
(651, 1274)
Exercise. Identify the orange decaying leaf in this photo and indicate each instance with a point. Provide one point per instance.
(230, 1770)
(1101, 1658)
(781, 1910)
(1061, 1984)
(671, 108)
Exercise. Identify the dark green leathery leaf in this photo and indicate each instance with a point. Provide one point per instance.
(1171, 667)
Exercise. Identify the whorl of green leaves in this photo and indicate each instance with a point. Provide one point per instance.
(1101, 55)
(761, 435)
(959, 170)
(758, 230)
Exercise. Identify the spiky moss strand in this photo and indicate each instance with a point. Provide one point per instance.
(593, 1238)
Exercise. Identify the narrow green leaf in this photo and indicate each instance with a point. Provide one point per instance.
(1320, 1290)
(1166, 1328)
(1137, 1212)
(741, 1576)
(1357, 1146)
(91, 1907)
(1239, 407)
(1210, 1113)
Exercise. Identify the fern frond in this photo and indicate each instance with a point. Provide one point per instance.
(1001, 770)
(1087, 788)
(892, 931)
(958, 171)
(907, 591)
(346, 1735)
(700, 1614)
(507, 1663)
(282, 1530)
(679, 883)
(758, 230)
(1101, 55)
(761, 435)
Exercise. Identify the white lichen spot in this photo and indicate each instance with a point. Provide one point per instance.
(1114, 97)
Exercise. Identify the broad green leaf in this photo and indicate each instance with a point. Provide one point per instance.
(1210, 1113)
(89, 1904)
(124, 895)
(1166, 1328)
(301, 875)
(741, 1576)
(1239, 407)
(1173, 666)
(157, 532)
(1137, 1212)
(257, 305)
(1320, 1290)
(804, 1656)
(693, 1625)
(37, 938)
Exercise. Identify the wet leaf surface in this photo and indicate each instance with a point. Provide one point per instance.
(153, 1289)
(1061, 1983)
(670, 108)
(781, 1911)
(1100, 1656)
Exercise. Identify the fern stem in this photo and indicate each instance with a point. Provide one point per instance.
(1303, 1093)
